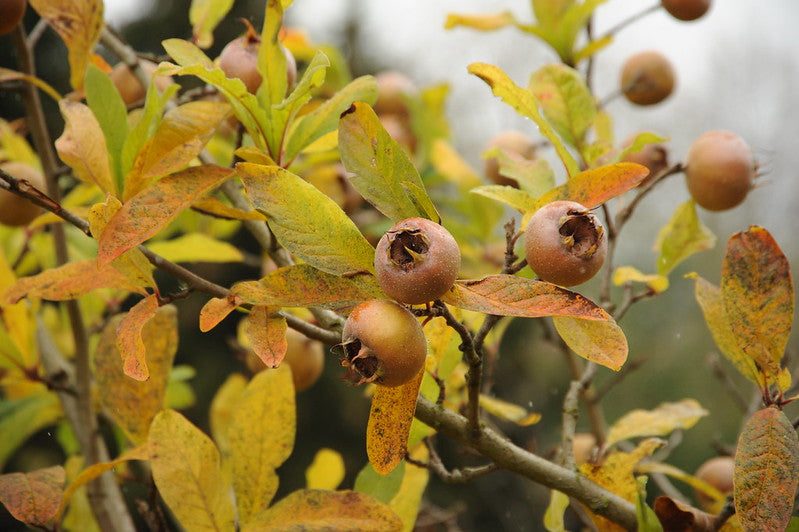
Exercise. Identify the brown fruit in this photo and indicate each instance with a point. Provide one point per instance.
(718, 472)
(14, 210)
(517, 145)
(416, 261)
(654, 156)
(583, 447)
(305, 356)
(719, 170)
(11, 13)
(565, 243)
(647, 78)
(383, 343)
(400, 130)
(239, 59)
(392, 90)
(686, 9)
(129, 86)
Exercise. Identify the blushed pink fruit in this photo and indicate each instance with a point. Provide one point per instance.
(720, 170)
(239, 59)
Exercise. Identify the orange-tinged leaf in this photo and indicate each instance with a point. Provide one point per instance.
(132, 403)
(390, 424)
(267, 333)
(602, 342)
(342, 511)
(757, 291)
(79, 24)
(261, 437)
(33, 498)
(684, 235)
(766, 471)
(326, 471)
(185, 466)
(594, 187)
(217, 309)
(217, 209)
(676, 516)
(82, 146)
(130, 341)
(69, 281)
(182, 134)
(661, 421)
(154, 207)
(507, 295)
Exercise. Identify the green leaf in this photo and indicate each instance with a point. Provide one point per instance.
(381, 487)
(534, 176)
(523, 101)
(112, 115)
(602, 342)
(327, 240)
(271, 59)
(204, 16)
(566, 101)
(684, 235)
(22, 418)
(519, 199)
(385, 175)
(640, 141)
(646, 517)
(146, 125)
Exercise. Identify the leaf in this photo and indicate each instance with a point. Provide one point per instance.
(766, 471)
(390, 424)
(217, 209)
(112, 115)
(204, 16)
(180, 137)
(145, 126)
(525, 104)
(595, 186)
(82, 146)
(327, 240)
(628, 274)
(757, 291)
(79, 25)
(267, 334)
(520, 200)
(507, 295)
(710, 301)
(129, 338)
(325, 118)
(6, 74)
(22, 418)
(602, 342)
(408, 499)
(385, 176)
(33, 498)
(197, 247)
(489, 22)
(217, 309)
(223, 405)
(646, 517)
(154, 207)
(69, 281)
(132, 403)
(326, 471)
(565, 100)
(342, 511)
(261, 436)
(185, 466)
(661, 421)
(508, 411)
(382, 487)
(684, 235)
(534, 176)
(676, 516)
(553, 517)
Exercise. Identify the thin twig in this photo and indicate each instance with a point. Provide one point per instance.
(454, 476)
(629, 20)
(714, 361)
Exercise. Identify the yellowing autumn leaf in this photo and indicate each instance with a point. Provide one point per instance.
(628, 274)
(408, 499)
(267, 334)
(222, 408)
(204, 15)
(82, 146)
(684, 235)
(196, 247)
(602, 342)
(129, 337)
(661, 421)
(215, 310)
(326, 471)
(508, 411)
(34, 497)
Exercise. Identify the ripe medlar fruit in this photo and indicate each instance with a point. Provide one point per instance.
(416, 261)
(129, 86)
(239, 59)
(517, 145)
(686, 9)
(383, 343)
(647, 78)
(654, 156)
(14, 210)
(565, 243)
(11, 13)
(583, 447)
(305, 356)
(719, 170)
(393, 88)
(718, 472)
(399, 129)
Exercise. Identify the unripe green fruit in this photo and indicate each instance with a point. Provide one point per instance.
(11, 13)
(719, 170)
(686, 9)
(383, 343)
(416, 261)
(15, 210)
(718, 472)
(647, 78)
(565, 243)
(239, 59)
(517, 145)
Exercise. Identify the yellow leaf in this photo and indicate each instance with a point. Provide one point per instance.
(267, 334)
(223, 406)
(79, 24)
(602, 342)
(661, 421)
(216, 208)
(628, 274)
(196, 247)
(204, 15)
(508, 411)
(215, 310)
(553, 517)
(17, 320)
(326, 471)
(481, 22)
(407, 500)
(261, 436)
(684, 235)
(185, 466)
(82, 146)
(130, 341)
(390, 424)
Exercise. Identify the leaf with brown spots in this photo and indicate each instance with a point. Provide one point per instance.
(130, 341)
(34, 497)
(675, 516)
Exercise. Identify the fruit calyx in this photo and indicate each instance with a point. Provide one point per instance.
(580, 234)
(362, 364)
(407, 247)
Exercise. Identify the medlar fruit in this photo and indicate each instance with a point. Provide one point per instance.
(718, 472)
(129, 86)
(647, 78)
(517, 145)
(305, 356)
(15, 210)
(416, 261)
(393, 88)
(686, 9)
(11, 13)
(239, 59)
(654, 156)
(565, 243)
(719, 170)
(383, 343)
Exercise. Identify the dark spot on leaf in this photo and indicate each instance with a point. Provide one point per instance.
(350, 109)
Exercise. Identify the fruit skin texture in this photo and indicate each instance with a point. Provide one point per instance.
(11, 13)
(565, 243)
(718, 472)
(517, 145)
(305, 356)
(583, 446)
(383, 343)
(128, 84)
(686, 9)
(416, 261)
(647, 78)
(719, 170)
(14, 210)
(239, 59)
